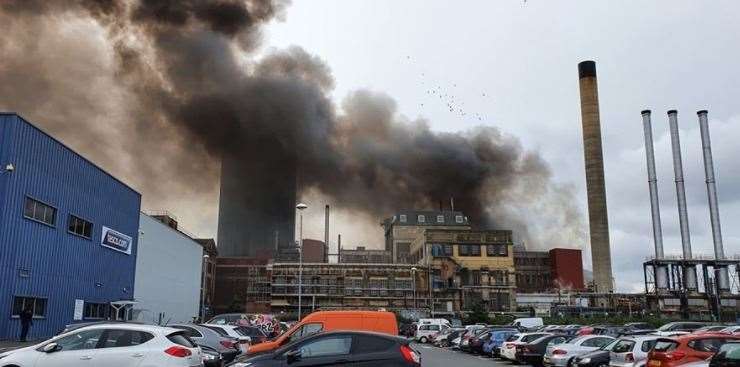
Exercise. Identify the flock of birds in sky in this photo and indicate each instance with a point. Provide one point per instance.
(448, 98)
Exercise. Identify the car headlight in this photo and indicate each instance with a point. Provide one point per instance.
(585, 360)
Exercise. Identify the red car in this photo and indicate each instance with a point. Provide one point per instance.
(672, 352)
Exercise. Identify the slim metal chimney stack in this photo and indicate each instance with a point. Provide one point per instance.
(719, 252)
(326, 234)
(661, 272)
(598, 218)
(683, 216)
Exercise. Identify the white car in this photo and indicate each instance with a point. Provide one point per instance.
(562, 355)
(631, 351)
(425, 333)
(110, 345)
(234, 332)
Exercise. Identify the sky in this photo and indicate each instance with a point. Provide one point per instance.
(513, 65)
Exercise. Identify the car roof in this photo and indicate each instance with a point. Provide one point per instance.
(130, 326)
(639, 337)
(681, 338)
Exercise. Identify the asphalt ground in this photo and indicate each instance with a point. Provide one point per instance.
(442, 357)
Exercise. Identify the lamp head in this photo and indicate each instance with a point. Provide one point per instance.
(301, 206)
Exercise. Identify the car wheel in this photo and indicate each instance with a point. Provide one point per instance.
(569, 363)
(423, 339)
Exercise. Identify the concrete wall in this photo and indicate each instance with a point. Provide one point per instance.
(168, 274)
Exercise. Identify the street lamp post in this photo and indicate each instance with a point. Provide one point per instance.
(300, 207)
(203, 289)
(413, 284)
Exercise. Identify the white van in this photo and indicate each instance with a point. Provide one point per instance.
(527, 323)
(434, 322)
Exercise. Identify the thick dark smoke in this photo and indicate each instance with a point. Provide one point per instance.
(157, 91)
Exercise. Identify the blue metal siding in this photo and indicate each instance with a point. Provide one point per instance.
(63, 267)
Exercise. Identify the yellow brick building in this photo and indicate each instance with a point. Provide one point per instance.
(467, 267)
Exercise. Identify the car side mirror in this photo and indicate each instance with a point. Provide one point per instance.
(293, 355)
(51, 348)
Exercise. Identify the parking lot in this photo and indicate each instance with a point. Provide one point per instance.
(441, 357)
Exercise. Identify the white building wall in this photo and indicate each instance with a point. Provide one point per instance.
(168, 274)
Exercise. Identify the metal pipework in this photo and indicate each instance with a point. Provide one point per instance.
(723, 280)
(690, 281)
(326, 234)
(683, 216)
(653, 185)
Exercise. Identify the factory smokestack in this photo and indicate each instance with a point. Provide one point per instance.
(683, 216)
(326, 234)
(595, 186)
(661, 275)
(719, 252)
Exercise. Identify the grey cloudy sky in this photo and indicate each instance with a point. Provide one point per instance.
(515, 65)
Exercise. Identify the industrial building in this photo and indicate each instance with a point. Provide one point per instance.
(169, 267)
(689, 285)
(405, 226)
(548, 271)
(362, 255)
(208, 285)
(68, 233)
(467, 267)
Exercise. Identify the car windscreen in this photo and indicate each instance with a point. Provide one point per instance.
(218, 330)
(623, 346)
(610, 345)
(529, 338)
(513, 338)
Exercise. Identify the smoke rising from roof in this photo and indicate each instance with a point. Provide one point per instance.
(157, 91)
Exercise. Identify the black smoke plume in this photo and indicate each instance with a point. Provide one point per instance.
(158, 91)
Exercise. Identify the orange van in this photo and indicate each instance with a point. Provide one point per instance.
(377, 321)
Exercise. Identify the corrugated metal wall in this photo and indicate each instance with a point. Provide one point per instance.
(168, 274)
(62, 267)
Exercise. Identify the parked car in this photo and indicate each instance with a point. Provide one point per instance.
(532, 352)
(610, 330)
(677, 351)
(563, 355)
(639, 326)
(527, 323)
(256, 335)
(597, 358)
(508, 349)
(476, 343)
(203, 336)
(678, 328)
(632, 351)
(110, 345)
(407, 330)
(377, 321)
(731, 330)
(336, 348)
(709, 329)
(424, 333)
(233, 332)
(211, 357)
(728, 355)
(444, 339)
(226, 319)
(497, 339)
(465, 340)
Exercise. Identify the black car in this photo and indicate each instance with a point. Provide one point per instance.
(475, 344)
(531, 353)
(211, 357)
(354, 348)
(596, 358)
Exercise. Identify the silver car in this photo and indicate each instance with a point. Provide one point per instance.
(563, 355)
(631, 351)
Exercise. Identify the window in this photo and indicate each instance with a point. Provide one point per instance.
(709, 345)
(191, 331)
(469, 250)
(180, 338)
(600, 342)
(447, 250)
(497, 250)
(79, 227)
(440, 219)
(459, 218)
(37, 305)
(331, 346)
(306, 330)
(372, 344)
(86, 339)
(218, 330)
(96, 310)
(557, 340)
(647, 345)
(402, 218)
(124, 338)
(421, 219)
(40, 212)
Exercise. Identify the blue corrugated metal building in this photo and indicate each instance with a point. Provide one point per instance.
(68, 233)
